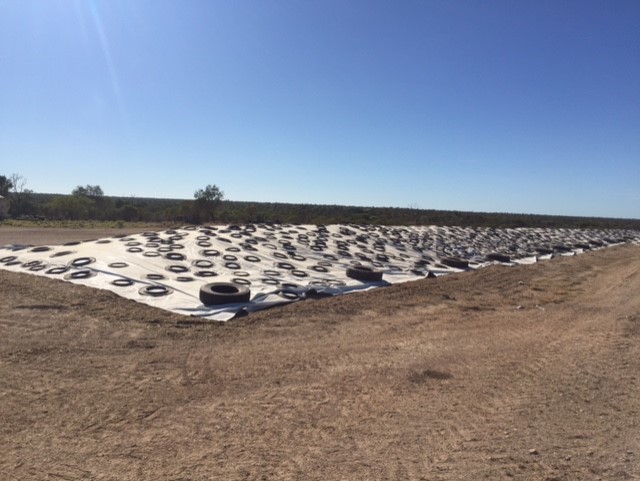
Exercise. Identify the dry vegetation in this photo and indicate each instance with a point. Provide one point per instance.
(530, 372)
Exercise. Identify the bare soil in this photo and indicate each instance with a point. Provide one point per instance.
(528, 372)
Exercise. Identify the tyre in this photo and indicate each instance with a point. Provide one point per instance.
(118, 265)
(155, 290)
(455, 262)
(58, 270)
(364, 273)
(289, 295)
(82, 261)
(84, 274)
(495, 256)
(217, 293)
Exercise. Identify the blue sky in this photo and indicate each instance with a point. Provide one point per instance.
(495, 106)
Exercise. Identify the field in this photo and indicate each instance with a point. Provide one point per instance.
(527, 372)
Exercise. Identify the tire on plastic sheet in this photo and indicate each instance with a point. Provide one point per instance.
(217, 293)
(455, 262)
(364, 273)
(496, 256)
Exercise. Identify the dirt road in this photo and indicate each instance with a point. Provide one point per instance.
(56, 236)
(529, 372)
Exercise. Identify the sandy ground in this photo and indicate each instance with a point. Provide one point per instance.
(528, 372)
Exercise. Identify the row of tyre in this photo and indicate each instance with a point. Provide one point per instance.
(216, 293)
(366, 240)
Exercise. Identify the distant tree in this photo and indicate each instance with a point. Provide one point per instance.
(74, 207)
(18, 184)
(211, 193)
(93, 191)
(96, 207)
(79, 191)
(207, 201)
(21, 197)
(128, 213)
(5, 186)
(415, 213)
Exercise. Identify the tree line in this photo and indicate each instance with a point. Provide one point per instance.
(89, 202)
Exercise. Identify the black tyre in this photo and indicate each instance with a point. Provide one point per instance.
(155, 290)
(364, 273)
(289, 295)
(178, 269)
(455, 262)
(118, 265)
(84, 274)
(217, 293)
(495, 256)
(61, 254)
(82, 261)
(58, 270)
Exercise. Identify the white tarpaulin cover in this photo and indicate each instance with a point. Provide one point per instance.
(285, 263)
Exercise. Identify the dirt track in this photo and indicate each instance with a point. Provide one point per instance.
(530, 372)
(54, 235)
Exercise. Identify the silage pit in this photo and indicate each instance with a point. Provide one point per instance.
(286, 263)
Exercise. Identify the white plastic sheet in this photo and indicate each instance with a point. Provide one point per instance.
(284, 263)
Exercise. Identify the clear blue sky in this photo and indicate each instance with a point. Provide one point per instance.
(498, 106)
